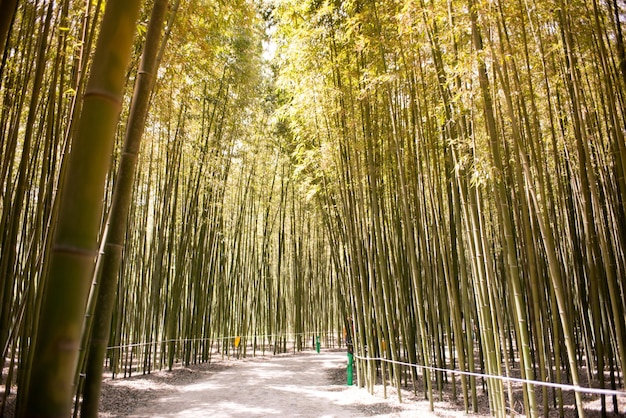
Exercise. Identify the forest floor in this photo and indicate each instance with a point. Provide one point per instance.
(307, 384)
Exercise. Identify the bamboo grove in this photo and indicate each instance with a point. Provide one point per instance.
(468, 158)
(216, 243)
(448, 175)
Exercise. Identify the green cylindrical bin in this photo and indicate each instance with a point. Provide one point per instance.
(349, 372)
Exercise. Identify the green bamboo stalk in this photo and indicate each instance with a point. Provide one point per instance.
(8, 8)
(73, 251)
(10, 238)
(118, 215)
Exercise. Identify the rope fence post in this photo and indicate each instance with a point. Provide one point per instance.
(350, 366)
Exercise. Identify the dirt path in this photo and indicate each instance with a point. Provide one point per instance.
(306, 384)
(303, 385)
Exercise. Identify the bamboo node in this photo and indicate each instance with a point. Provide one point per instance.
(67, 344)
(131, 154)
(75, 251)
(103, 94)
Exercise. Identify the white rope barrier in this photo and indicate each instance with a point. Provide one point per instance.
(575, 388)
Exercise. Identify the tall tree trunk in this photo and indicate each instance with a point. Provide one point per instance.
(504, 216)
(74, 248)
(118, 216)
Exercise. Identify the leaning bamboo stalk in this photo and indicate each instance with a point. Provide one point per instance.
(12, 215)
(503, 213)
(118, 215)
(75, 243)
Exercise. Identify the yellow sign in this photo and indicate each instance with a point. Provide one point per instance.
(237, 341)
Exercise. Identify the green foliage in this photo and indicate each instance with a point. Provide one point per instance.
(427, 167)
(391, 94)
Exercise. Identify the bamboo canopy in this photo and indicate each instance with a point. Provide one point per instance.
(445, 178)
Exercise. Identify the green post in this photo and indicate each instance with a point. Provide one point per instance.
(350, 360)
(317, 343)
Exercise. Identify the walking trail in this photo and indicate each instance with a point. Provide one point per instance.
(301, 385)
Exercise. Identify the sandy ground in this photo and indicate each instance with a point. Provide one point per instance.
(301, 385)
(306, 384)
